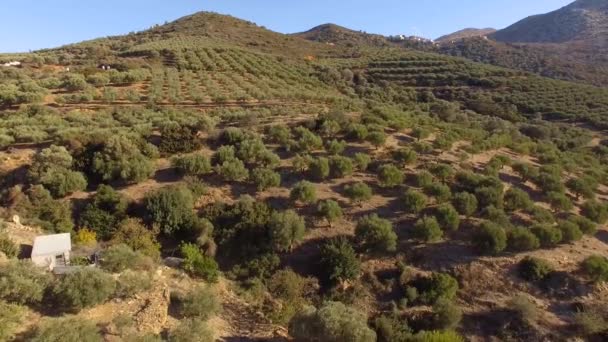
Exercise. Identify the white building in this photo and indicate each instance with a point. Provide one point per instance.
(12, 64)
(51, 251)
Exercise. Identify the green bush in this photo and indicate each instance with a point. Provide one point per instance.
(177, 138)
(596, 267)
(427, 229)
(570, 231)
(389, 176)
(338, 261)
(595, 211)
(232, 170)
(52, 167)
(376, 234)
(171, 208)
(405, 156)
(332, 322)
(465, 203)
(413, 201)
(83, 288)
(438, 336)
(23, 283)
(130, 283)
(201, 303)
(303, 192)
(392, 328)
(191, 330)
(442, 171)
(358, 192)
(362, 161)
(286, 230)
(265, 179)
(441, 192)
(446, 314)
(559, 201)
(319, 168)
(104, 212)
(447, 217)
(582, 187)
(134, 234)
(522, 239)
(67, 329)
(121, 257)
(192, 164)
(423, 179)
(534, 269)
(489, 196)
(329, 210)
(439, 286)
(11, 318)
(7, 246)
(377, 138)
(489, 239)
(547, 235)
(121, 159)
(335, 147)
(516, 199)
(341, 166)
(198, 264)
(584, 224)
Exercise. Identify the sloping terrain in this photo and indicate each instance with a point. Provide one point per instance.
(465, 33)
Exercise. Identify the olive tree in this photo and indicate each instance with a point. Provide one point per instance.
(329, 210)
(376, 234)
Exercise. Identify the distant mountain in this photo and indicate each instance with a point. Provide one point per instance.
(466, 33)
(582, 20)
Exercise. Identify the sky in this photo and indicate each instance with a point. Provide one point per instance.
(27, 25)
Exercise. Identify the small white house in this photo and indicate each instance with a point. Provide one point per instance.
(51, 251)
(12, 64)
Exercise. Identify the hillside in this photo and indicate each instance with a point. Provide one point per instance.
(226, 182)
(465, 33)
(583, 20)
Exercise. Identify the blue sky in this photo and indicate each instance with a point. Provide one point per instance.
(34, 24)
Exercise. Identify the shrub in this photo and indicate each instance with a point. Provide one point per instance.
(447, 217)
(170, 208)
(192, 164)
(392, 328)
(534, 269)
(120, 257)
(559, 201)
(420, 133)
(389, 176)
(438, 336)
(67, 329)
(52, 167)
(516, 199)
(581, 187)
(306, 140)
(591, 321)
(303, 192)
(130, 283)
(595, 211)
(198, 264)
(265, 179)
(489, 239)
(377, 138)
(427, 229)
(358, 192)
(11, 318)
(338, 261)
(465, 203)
(7, 246)
(335, 147)
(302, 163)
(201, 303)
(447, 315)
(177, 138)
(489, 196)
(547, 235)
(341, 166)
(570, 231)
(423, 179)
(134, 234)
(329, 210)
(83, 288)
(376, 234)
(319, 168)
(104, 211)
(522, 239)
(333, 322)
(21, 282)
(442, 171)
(224, 154)
(357, 132)
(596, 267)
(74, 82)
(441, 192)
(191, 330)
(233, 170)
(439, 286)
(362, 161)
(85, 237)
(413, 202)
(524, 308)
(286, 230)
(584, 224)
(405, 156)
(120, 159)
